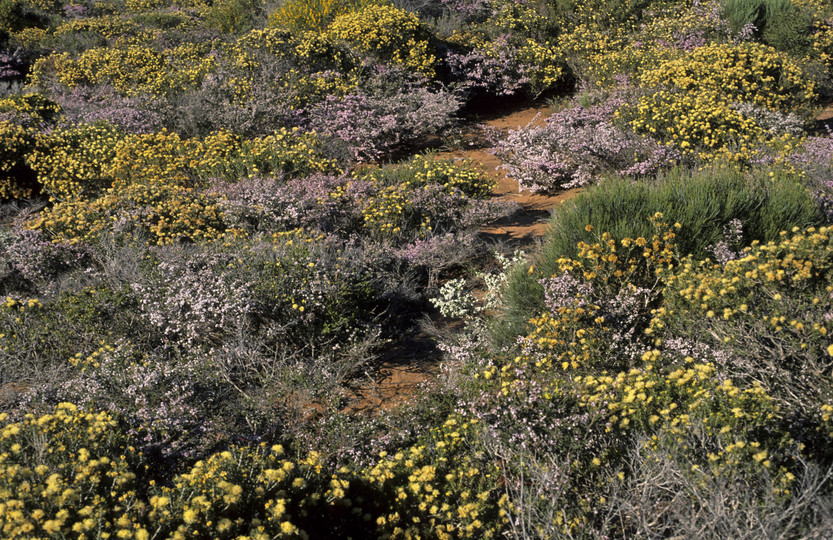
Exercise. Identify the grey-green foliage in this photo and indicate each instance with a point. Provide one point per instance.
(779, 23)
(704, 202)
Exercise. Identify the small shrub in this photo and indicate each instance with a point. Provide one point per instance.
(372, 123)
(17, 179)
(574, 147)
(232, 16)
(74, 161)
(78, 470)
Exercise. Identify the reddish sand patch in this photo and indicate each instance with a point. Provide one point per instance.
(530, 222)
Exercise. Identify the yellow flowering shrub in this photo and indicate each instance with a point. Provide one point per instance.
(599, 56)
(439, 489)
(388, 33)
(702, 123)
(74, 162)
(286, 151)
(70, 473)
(17, 180)
(390, 210)
(132, 69)
(31, 38)
(319, 66)
(166, 158)
(108, 28)
(30, 109)
(157, 213)
(311, 15)
(462, 175)
(138, 6)
(577, 336)
(259, 493)
(146, 183)
(50, 6)
(749, 72)
(67, 473)
(671, 402)
(546, 64)
(770, 306)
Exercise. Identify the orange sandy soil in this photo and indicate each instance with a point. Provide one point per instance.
(414, 362)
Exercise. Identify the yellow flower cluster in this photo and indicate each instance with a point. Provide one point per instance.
(31, 38)
(821, 30)
(311, 15)
(248, 493)
(462, 175)
(80, 482)
(132, 69)
(698, 122)
(139, 6)
(546, 63)
(389, 33)
(16, 143)
(74, 162)
(102, 179)
(570, 338)
(166, 158)
(67, 474)
(36, 108)
(749, 72)
(673, 401)
(110, 28)
(439, 489)
(386, 211)
(50, 6)
(599, 55)
(778, 289)
(158, 213)
(324, 67)
(389, 210)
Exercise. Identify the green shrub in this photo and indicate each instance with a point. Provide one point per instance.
(758, 12)
(233, 16)
(789, 31)
(703, 202)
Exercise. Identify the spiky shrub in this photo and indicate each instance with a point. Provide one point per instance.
(743, 12)
(233, 16)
